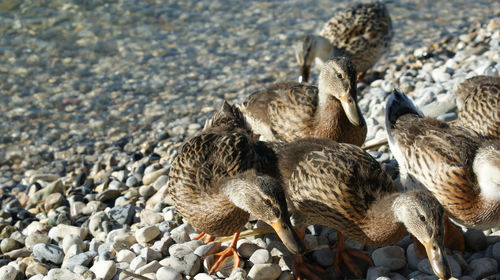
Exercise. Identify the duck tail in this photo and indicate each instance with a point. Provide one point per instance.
(399, 104)
(486, 166)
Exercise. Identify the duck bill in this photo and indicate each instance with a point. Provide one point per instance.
(288, 235)
(304, 73)
(351, 110)
(437, 260)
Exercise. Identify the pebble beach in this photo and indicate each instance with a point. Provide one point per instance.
(96, 97)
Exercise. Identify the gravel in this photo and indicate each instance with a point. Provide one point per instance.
(97, 97)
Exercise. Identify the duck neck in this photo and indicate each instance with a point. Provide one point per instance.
(324, 49)
(237, 191)
(382, 226)
(329, 115)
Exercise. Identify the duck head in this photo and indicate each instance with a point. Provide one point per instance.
(264, 197)
(337, 79)
(423, 217)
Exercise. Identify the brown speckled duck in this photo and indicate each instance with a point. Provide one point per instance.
(363, 32)
(341, 186)
(290, 110)
(478, 100)
(221, 176)
(461, 169)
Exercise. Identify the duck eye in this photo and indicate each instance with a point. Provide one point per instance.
(339, 75)
(422, 218)
(267, 202)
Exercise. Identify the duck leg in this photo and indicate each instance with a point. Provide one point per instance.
(344, 255)
(303, 269)
(453, 239)
(221, 257)
(208, 238)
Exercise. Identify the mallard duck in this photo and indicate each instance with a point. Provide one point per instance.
(290, 110)
(220, 177)
(478, 100)
(461, 169)
(363, 32)
(341, 186)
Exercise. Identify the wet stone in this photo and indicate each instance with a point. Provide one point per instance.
(392, 257)
(483, 267)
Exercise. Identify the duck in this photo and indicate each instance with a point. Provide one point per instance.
(478, 102)
(341, 186)
(221, 176)
(363, 32)
(458, 166)
(287, 111)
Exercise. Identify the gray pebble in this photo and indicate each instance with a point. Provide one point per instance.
(151, 267)
(323, 256)
(166, 273)
(392, 257)
(124, 215)
(483, 267)
(375, 272)
(496, 251)
(260, 256)
(150, 254)
(268, 271)
(475, 240)
(82, 259)
(137, 263)
(48, 252)
(245, 248)
(8, 272)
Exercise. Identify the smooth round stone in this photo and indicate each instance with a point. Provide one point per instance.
(208, 249)
(8, 272)
(9, 244)
(53, 201)
(104, 269)
(455, 268)
(48, 252)
(147, 191)
(377, 272)
(132, 181)
(267, 271)
(146, 234)
(151, 177)
(260, 256)
(58, 274)
(200, 276)
(151, 217)
(160, 182)
(82, 259)
(35, 268)
(483, 267)
(107, 195)
(412, 257)
(60, 231)
(99, 225)
(166, 273)
(392, 257)
(151, 267)
(246, 248)
(125, 256)
(475, 240)
(35, 238)
(496, 251)
(238, 274)
(184, 262)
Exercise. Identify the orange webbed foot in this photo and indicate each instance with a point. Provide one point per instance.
(221, 257)
(345, 255)
(208, 238)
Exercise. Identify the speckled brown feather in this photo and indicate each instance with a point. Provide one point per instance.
(479, 102)
(363, 31)
(223, 149)
(291, 110)
(336, 185)
(439, 157)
